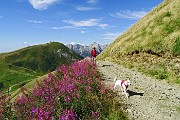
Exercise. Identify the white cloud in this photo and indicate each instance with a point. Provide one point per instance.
(83, 32)
(83, 8)
(34, 21)
(42, 4)
(111, 36)
(55, 28)
(92, 1)
(86, 23)
(129, 14)
(26, 44)
(73, 43)
(81, 25)
(67, 27)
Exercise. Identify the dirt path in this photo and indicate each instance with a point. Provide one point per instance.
(149, 99)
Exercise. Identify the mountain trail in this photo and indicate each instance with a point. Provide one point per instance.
(149, 98)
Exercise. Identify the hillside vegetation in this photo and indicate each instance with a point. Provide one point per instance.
(152, 45)
(41, 57)
(21, 66)
(14, 76)
(72, 92)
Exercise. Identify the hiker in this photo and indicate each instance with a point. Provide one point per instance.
(93, 55)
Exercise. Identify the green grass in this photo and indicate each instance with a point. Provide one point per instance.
(156, 37)
(178, 108)
(176, 47)
(162, 24)
(3, 67)
(177, 81)
(23, 65)
(42, 58)
(158, 74)
(28, 86)
(10, 75)
(115, 113)
(168, 14)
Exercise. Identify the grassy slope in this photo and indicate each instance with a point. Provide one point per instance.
(41, 57)
(152, 45)
(29, 86)
(19, 67)
(12, 75)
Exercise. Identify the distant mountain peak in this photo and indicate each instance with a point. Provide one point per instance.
(84, 51)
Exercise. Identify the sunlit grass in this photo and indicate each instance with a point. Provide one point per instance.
(154, 39)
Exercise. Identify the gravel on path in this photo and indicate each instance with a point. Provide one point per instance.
(149, 98)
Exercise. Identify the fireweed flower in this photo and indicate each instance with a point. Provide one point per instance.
(88, 88)
(22, 100)
(89, 80)
(102, 89)
(70, 88)
(68, 115)
(67, 99)
(58, 70)
(34, 110)
(40, 113)
(56, 91)
(95, 115)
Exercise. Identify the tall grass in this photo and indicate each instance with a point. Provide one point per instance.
(176, 47)
(73, 92)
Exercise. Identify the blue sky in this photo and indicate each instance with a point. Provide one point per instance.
(31, 22)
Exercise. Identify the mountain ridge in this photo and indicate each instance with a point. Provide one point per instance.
(84, 50)
(33, 57)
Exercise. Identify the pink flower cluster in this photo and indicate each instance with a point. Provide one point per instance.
(63, 94)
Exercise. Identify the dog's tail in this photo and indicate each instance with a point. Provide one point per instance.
(115, 79)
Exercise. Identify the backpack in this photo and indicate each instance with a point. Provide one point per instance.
(93, 53)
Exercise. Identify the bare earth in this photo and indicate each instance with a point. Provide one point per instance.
(149, 99)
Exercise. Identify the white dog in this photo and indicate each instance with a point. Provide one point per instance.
(123, 84)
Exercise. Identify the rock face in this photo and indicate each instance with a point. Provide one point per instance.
(84, 51)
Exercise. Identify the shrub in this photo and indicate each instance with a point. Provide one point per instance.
(168, 14)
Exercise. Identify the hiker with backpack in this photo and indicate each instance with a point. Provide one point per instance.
(93, 55)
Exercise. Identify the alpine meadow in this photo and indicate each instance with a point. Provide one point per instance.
(54, 81)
